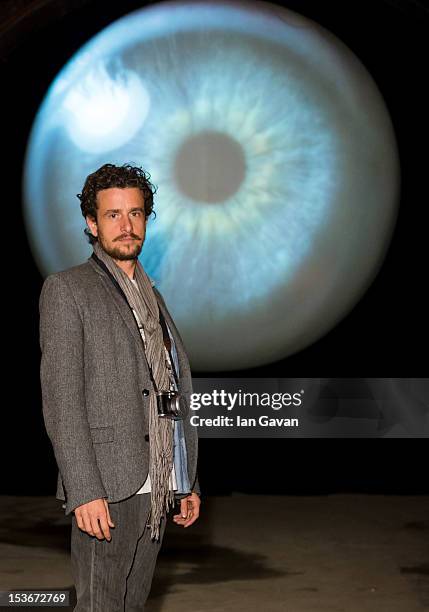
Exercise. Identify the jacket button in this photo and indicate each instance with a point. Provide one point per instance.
(146, 437)
(145, 391)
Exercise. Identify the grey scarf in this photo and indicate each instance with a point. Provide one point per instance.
(161, 439)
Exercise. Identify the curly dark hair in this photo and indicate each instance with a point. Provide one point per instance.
(108, 176)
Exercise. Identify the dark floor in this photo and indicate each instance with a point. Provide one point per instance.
(334, 553)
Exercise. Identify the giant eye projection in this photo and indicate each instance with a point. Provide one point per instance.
(273, 154)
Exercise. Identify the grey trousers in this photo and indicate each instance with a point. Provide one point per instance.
(116, 576)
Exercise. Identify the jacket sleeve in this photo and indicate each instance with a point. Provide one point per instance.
(192, 437)
(196, 487)
(62, 379)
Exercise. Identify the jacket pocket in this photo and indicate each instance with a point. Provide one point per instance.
(102, 434)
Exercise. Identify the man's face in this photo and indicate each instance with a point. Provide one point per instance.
(121, 223)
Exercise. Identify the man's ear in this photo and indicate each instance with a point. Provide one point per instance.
(92, 224)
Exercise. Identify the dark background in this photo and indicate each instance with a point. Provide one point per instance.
(385, 335)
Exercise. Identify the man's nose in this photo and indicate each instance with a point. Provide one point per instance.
(126, 225)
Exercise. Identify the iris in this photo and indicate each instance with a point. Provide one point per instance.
(275, 159)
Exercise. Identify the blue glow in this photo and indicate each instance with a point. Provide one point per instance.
(274, 157)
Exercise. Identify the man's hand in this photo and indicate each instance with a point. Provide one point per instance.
(189, 510)
(89, 515)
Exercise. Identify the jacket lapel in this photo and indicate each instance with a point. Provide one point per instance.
(122, 306)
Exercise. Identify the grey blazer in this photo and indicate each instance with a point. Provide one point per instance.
(95, 382)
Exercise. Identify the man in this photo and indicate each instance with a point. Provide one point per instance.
(109, 346)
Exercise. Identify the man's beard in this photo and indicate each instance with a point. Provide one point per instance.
(133, 251)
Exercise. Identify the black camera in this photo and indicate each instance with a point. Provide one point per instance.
(170, 404)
